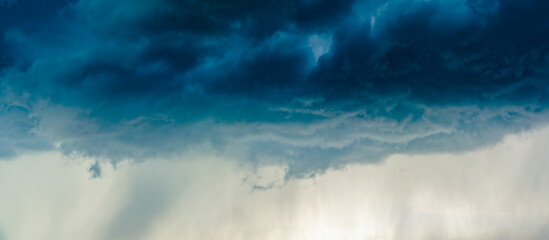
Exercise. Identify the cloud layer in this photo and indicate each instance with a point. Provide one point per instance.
(312, 84)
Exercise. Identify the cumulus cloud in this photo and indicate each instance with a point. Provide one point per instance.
(313, 84)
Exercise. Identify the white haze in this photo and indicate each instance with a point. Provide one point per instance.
(496, 193)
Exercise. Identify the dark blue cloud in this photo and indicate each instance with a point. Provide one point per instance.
(312, 84)
(479, 60)
(279, 63)
(95, 170)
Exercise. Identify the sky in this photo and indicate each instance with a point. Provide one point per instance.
(303, 119)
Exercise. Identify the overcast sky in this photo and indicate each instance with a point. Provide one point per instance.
(280, 119)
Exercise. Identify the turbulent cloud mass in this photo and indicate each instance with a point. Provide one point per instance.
(274, 119)
(311, 84)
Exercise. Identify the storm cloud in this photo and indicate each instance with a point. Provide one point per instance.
(312, 84)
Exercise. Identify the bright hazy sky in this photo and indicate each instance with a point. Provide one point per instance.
(494, 193)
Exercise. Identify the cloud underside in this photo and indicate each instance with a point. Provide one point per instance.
(311, 84)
